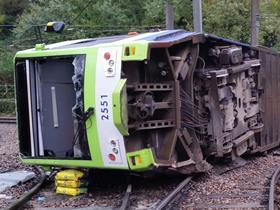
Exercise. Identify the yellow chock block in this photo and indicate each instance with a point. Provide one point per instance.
(70, 191)
(70, 175)
(67, 183)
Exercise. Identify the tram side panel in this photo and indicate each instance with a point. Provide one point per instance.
(270, 103)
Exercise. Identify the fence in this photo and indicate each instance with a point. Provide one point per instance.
(7, 99)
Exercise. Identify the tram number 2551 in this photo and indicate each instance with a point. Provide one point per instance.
(104, 107)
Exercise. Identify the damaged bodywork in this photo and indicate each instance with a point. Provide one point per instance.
(160, 101)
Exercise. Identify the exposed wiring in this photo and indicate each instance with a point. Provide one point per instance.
(193, 117)
(78, 132)
(203, 61)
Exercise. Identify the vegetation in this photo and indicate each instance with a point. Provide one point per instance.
(22, 21)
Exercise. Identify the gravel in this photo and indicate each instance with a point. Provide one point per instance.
(247, 185)
(10, 161)
(277, 194)
(107, 189)
(237, 189)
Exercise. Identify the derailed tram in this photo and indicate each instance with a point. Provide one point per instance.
(159, 101)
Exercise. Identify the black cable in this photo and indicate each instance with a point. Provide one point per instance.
(77, 133)
(81, 12)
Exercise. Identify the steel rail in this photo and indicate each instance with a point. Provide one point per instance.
(8, 120)
(18, 204)
(125, 202)
(272, 188)
(173, 194)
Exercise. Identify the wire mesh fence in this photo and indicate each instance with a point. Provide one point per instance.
(7, 99)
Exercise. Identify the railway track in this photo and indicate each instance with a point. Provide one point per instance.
(8, 120)
(172, 201)
(251, 183)
(19, 203)
(265, 195)
(176, 193)
(272, 191)
(165, 203)
(251, 186)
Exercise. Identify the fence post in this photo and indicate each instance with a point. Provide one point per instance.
(169, 17)
(255, 22)
(197, 16)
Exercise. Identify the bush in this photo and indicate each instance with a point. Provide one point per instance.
(6, 64)
(7, 107)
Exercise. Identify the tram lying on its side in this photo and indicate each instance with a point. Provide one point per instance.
(158, 101)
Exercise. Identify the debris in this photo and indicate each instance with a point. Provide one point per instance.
(276, 153)
(10, 179)
(4, 196)
(40, 199)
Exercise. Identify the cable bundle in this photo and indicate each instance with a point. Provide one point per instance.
(192, 115)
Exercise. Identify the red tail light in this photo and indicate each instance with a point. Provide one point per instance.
(107, 55)
(112, 157)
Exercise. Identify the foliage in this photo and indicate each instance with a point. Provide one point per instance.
(270, 21)
(6, 64)
(10, 10)
(36, 17)
(91, 18)
(227, 18)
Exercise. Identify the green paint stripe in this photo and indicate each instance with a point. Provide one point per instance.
(143, 159)
(119, 107)
(141, 51)
(66, 163)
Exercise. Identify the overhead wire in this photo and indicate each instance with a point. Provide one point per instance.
(81, 12)
(92, 26)
(89, 30)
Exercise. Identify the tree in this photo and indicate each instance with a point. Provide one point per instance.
(9, 11)
(270, 21)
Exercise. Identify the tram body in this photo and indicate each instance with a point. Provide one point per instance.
(159, 101)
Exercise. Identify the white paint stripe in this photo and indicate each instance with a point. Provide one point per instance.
(56, 45)
(119, 42)
(38, 94)
(138, 37)
(30, 108)
(104, 86)
(61, 44)
(41, 146)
